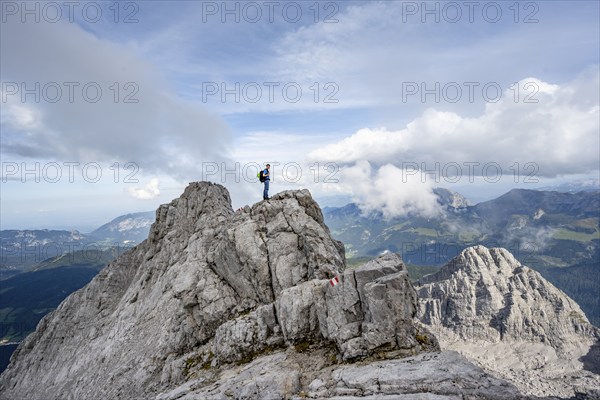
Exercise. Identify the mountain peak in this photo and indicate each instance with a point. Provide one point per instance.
(485, 299)
(491, 289)
(477, 261)
(450, 199)
(212, 287)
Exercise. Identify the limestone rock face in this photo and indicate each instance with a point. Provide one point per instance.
(289, 375)
(487, 294)
(509, 319)
(211, 288)
(372, 307)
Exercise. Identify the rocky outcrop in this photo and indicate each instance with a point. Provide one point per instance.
(451, 200)
(291, 375)
(212, 288)
(510, 320)
(373, 308)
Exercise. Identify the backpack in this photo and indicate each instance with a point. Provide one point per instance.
(260, 176)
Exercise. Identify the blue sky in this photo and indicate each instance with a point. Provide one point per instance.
(364, 91)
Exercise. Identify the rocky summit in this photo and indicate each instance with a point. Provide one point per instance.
(257, 304)
(508, 319)
(212, 287)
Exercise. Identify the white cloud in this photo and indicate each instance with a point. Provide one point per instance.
(389, 190)
(558, 134)
(149, 191)
(160, 132)
(18, 116)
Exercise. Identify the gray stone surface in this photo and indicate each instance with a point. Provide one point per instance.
(445, 373)
(371, 308)
(429, 376)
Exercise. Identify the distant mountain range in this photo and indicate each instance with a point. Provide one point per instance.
(21, 250)
(40, 268)
(586, 185)
(556, 233)
(550, 228)
(129, 229)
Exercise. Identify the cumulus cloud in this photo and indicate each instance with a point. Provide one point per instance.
(148, 192)
(389, 190)
(126, 113)
(18, 116)
(557, 133)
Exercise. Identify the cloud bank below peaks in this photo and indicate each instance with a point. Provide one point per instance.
(389, 190)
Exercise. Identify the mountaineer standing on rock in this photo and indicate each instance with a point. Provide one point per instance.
(266, 178)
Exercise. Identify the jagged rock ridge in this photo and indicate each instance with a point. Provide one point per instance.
(211, 287)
